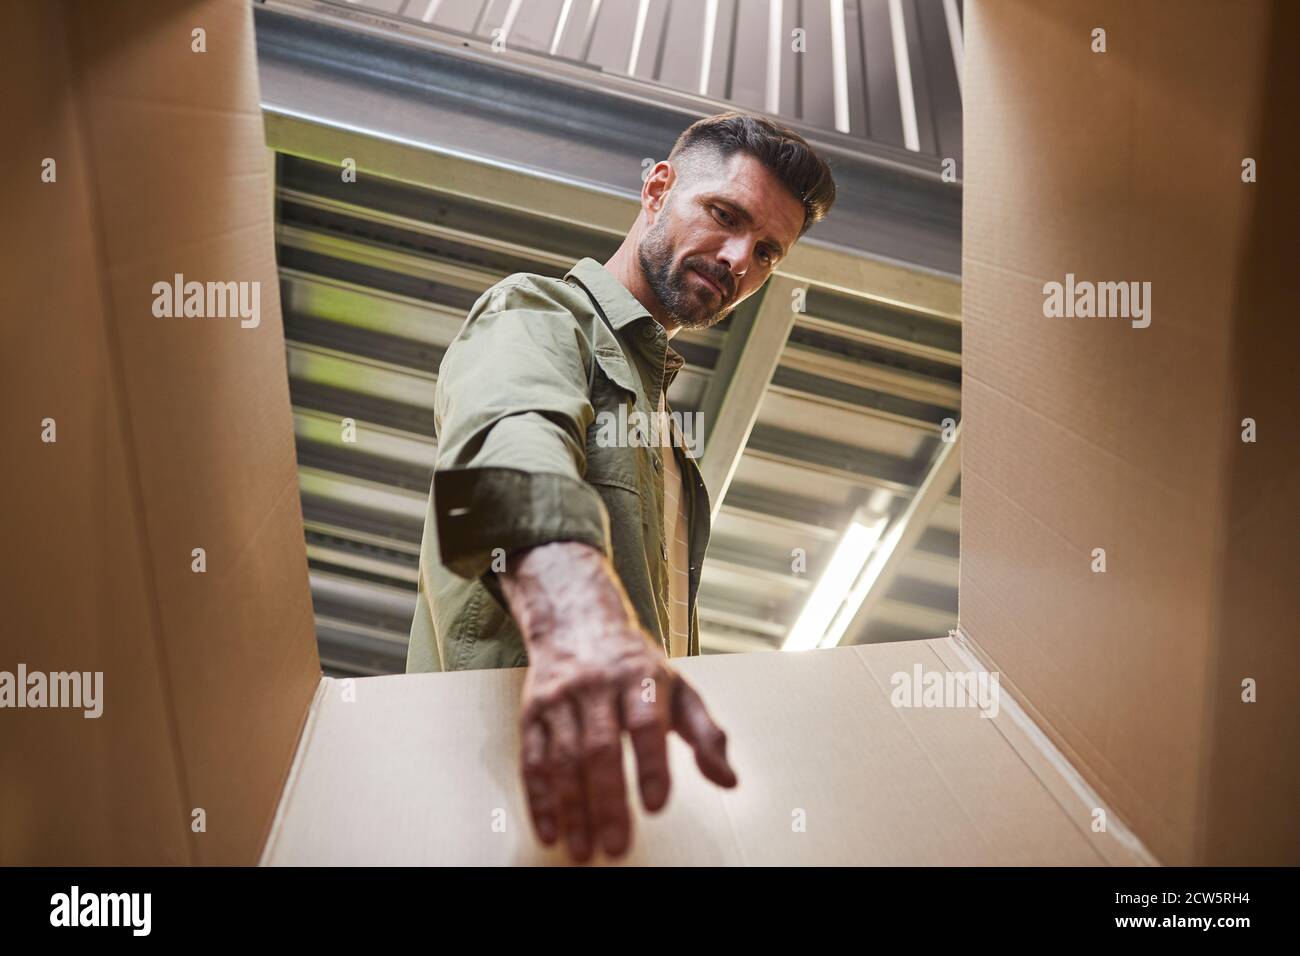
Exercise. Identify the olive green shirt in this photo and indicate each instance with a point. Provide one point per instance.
(524, 419)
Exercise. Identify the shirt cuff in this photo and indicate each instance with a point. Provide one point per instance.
(482, 509)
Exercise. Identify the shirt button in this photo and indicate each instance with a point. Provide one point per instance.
(658, 464)
(664, 549)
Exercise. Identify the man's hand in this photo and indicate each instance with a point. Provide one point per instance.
(593, 673)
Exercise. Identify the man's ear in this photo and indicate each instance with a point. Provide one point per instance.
(654, 191)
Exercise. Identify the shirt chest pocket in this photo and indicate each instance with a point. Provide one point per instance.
(618, 452)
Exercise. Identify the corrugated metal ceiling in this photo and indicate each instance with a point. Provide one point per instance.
(378, 274)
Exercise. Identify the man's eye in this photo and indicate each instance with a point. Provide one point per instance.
(723, 216)
(764, 257)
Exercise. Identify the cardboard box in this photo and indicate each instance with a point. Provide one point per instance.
(176, 433)
(1088, 433)
(172, 434)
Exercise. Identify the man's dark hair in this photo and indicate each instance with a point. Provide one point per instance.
(783, 151)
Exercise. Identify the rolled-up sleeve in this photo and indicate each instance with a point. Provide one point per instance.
(512, 413)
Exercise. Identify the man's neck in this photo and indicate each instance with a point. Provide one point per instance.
(624, 267)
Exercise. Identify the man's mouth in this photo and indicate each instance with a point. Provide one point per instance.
(712, 283)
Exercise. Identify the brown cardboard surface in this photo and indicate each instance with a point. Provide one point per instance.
(1262, 518)
(416, 768)
(173, 433)
(1088, 433)
(59, 803)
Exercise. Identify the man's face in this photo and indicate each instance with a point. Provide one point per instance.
(717, 231)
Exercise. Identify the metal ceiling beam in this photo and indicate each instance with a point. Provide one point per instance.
(367, 564)
(381, 256)
(933, 622)
(794, 528)
(377, 605)
(348, 650)
(395, 505)
(871, 375)
(880, 403)
(475, 240)
(931, 568)
(715, 640)
(905, 331)
(311, 296)
(888, 342)
(329, 529)
(396, 445)
(858, 466)
(750, 354)
(901, 537)
(720, 572)
(726, 614)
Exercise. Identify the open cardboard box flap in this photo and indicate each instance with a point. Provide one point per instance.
(421, 769)
(1087, 435)
(172, 434)
(221, 743)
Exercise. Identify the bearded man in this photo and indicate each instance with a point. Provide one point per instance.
(548, 546)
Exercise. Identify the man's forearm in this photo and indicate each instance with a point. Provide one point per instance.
(594, 673)
(562, 586)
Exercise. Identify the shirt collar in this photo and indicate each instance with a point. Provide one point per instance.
(621, 307)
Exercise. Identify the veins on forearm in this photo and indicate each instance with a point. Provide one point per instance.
(564, 582)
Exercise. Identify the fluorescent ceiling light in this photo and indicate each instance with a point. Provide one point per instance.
(837, 581)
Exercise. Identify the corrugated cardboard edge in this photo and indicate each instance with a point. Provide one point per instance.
(1052, 768)
(291, 778)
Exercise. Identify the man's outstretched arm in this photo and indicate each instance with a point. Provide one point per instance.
(593, 673)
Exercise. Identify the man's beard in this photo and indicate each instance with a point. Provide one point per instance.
(672, 285)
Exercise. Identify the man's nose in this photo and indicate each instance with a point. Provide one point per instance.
(735, 256)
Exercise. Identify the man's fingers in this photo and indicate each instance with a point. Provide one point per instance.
(645, 720)
(602, 759)
(692, 721)
(564, 766)
(537, 785)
